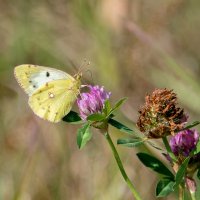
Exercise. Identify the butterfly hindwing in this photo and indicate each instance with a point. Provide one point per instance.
(31, 77)
(54, 100)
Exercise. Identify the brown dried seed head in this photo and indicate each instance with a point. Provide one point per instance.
(160, 115)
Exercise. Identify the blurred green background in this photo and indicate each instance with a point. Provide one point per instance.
(134, 46)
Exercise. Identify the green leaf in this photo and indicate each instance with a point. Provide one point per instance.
(84, 135)
(155, 164)
(181, 172)
(198, 174)
(120, 126)
(130, 142)
(154, 146)
(72, 117)
(96, 117)
(117, 105)
(107, 107)
(190, 125)
(164, 187)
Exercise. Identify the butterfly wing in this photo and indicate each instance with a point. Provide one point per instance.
(31, 77)
(54, 100)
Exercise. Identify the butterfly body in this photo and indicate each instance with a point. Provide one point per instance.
(51, 92)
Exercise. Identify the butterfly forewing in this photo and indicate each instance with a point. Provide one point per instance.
(31, 77)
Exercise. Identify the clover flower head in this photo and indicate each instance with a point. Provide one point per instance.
(184, 142)
(160, 116)
(93, 101)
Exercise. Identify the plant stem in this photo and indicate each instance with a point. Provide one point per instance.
(181, 196)
(169, 151)
(193, 195)
(121, 168)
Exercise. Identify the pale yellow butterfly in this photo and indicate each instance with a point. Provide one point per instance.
(52, 92)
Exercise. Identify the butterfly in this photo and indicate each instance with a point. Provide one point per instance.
(51, 92)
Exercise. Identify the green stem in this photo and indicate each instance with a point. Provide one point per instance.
(193, 195)
(169, 151)
(121, 168)
(181, 192)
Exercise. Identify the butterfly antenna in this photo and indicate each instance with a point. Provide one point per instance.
(83, 65)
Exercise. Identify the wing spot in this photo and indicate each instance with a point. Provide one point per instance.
(34, 86)
(47, 74)
(51, 95)
(30, 81)
(47, 84)
(56, 113)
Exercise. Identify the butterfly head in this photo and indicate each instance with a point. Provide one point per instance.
(78, 76)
